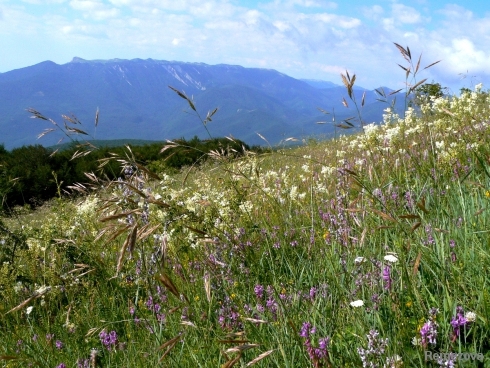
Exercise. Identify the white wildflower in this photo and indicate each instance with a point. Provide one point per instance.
(393, 362)
(357, 303)
(327, 170)
(440, 145)
(18, 287)
(88, 206)
(29, 309)
(391, 258)
(359, 260)
(470, 316)
(43, 290)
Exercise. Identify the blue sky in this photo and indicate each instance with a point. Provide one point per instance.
(315, 39)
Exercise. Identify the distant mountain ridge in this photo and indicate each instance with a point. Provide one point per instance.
(135, 102)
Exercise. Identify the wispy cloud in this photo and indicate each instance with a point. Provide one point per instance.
(303, 38)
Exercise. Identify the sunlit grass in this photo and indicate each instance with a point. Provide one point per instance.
(285, 259)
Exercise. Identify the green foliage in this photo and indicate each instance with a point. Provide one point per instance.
(30, 175)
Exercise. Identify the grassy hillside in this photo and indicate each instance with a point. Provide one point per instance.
(369, 250)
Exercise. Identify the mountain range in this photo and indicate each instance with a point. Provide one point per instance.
(134, 101)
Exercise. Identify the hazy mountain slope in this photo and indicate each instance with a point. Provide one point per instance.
(135, 102)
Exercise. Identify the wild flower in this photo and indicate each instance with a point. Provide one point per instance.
(376, 348)
(319, 354)
(259, 291)
(108, 339)
(470, 317)
(61, 365)
(359, 260)
(83, 363)
(449, 363)
(391, 258)
(387, 277)
(459, 321)
(428, 333)
(58, 344)
(393, 362)
(357, 303)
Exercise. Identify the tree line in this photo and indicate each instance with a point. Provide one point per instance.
(30, 175)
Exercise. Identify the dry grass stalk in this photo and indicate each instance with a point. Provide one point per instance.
(119, 215)
(207, 286)
(254, 320)
(241, 348)
(129, 243)
(169, 345)
(232, 362)
(168, 283)
(28, 300)
(384, 215)
(417, 263)
(259, 358)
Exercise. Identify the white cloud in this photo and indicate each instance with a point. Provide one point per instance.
(43, 2)
(372, 12)
(94, 9)
(462, 53)
(456, 12)
(330, 69)
(337, 20)
(405, 14)
(285, 4)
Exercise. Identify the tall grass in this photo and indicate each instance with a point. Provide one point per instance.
(367, 250)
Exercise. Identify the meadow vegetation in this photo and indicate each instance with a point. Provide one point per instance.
(366, 250)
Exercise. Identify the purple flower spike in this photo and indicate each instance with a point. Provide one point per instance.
(109, 340)
(259, 291)
(387, 277)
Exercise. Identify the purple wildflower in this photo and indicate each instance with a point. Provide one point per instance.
(259, 291)
(109, 340)
(387, 277)
(313, 292)
(61, 365)
(83, 363)
(375, 349)
(449, 363)
(59, 345)
(428, 333)
(305, 330)
(457, 322)
(316, 354)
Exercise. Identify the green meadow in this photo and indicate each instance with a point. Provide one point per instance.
(367, 250)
